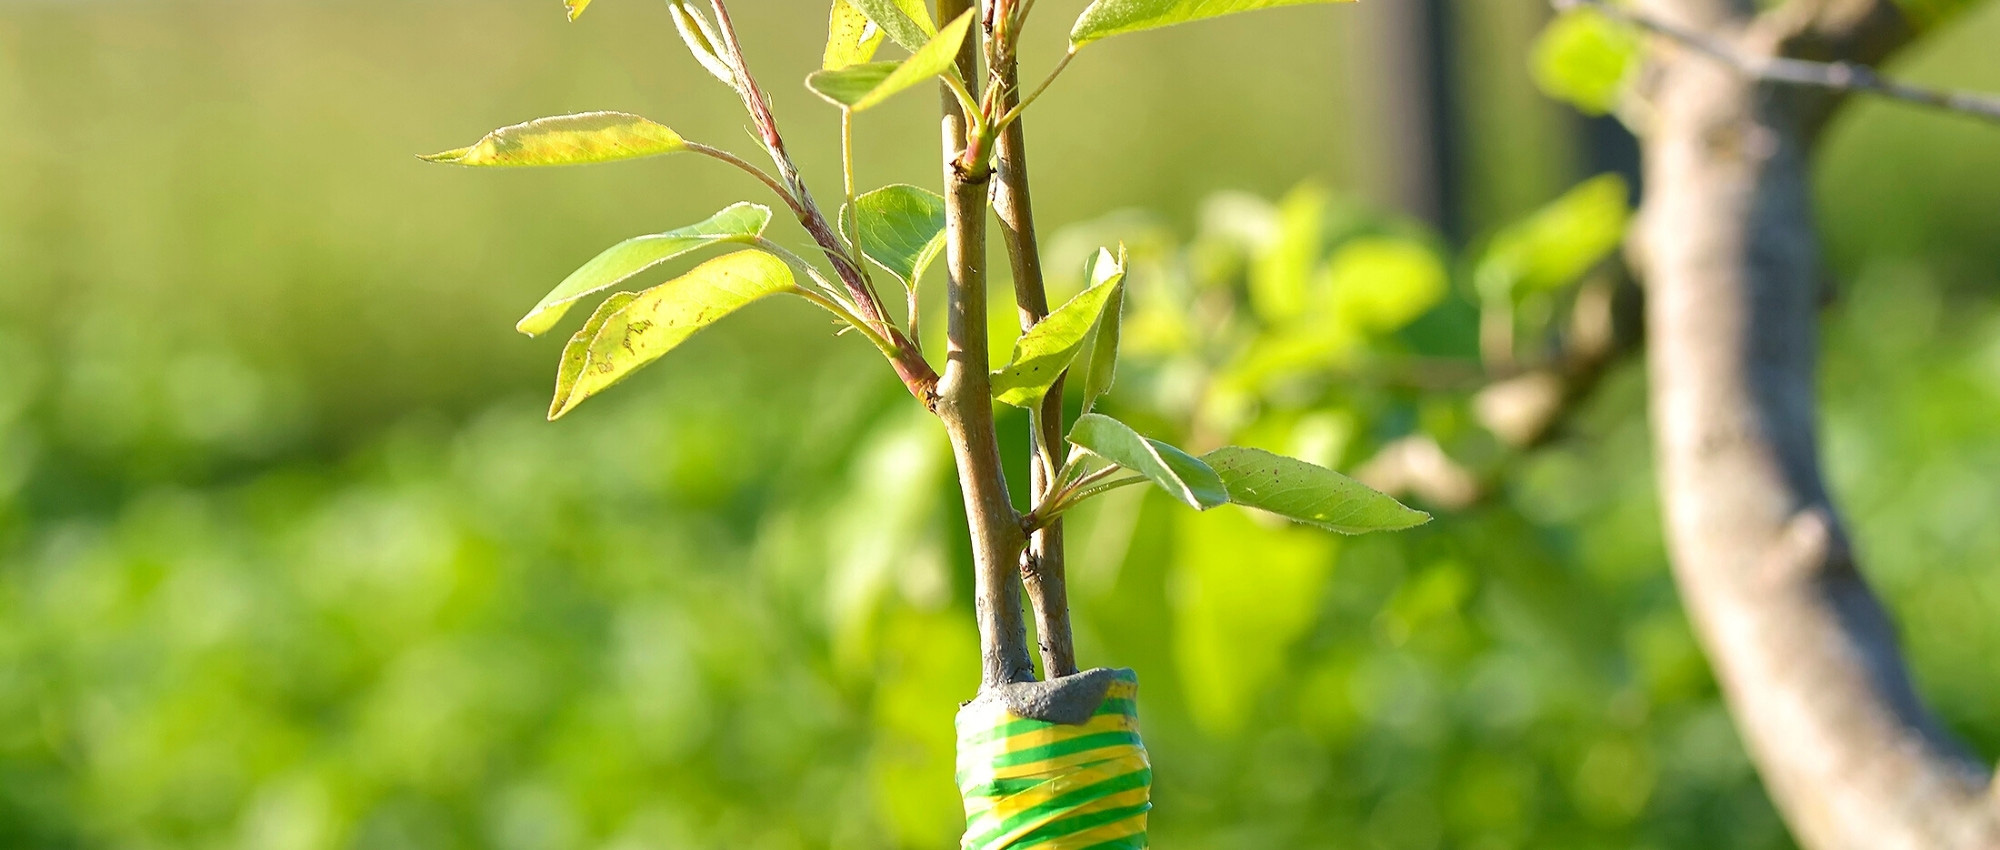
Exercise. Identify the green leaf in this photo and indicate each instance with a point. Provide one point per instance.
(700, 40)
(575, 7)
(851, 38)
(568, 140)
(1104, 341)
(1558, 243)
(1587, 59)
(906, 22)
(862, 86)
(737, 223)
(1182, 475)
(1302, 492)
(901, 228)
(639, 329)
(1106, 18)
(1378, 284)
(1281, 275)
(1045, 350)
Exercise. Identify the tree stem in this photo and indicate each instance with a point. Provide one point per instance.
(909, 363)
(965, 401)
(1805, 653)
(1043, 569)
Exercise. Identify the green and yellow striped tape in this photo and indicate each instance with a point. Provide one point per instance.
(1055, 786)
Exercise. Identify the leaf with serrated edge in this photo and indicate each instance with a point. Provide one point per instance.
(1104, 341)
(851, 38)
(901, 228)
(568, 140)
(741, 222)
(906, 22)
(1045, 350)
(862, 86)
(1106, 18)
(1302, 492)
(656, 320)
(1183, 476)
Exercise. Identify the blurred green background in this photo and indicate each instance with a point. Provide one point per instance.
(289, 559)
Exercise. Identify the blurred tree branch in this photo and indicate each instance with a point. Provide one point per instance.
(1806, 26)
(1524, 407)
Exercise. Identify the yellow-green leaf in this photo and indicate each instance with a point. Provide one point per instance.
(1587, 59)
(901, 228)
(641, 328)
(1378, 284)
(568, 140)
(737, 223)
(851, 38)
(1106, 18)
(862, 86)
(1104, 341)
(1302, 492)
(700, 41)
(575, 7)
(1281, 273)
(1185, 477)
(1558, 243)
(1045, 350)
(577, 350)
(907, 22)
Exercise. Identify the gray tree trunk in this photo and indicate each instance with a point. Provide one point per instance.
(1806, 655)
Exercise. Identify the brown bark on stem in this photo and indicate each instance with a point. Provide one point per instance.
(965, 402)
(1806, 655)
(1043, 568)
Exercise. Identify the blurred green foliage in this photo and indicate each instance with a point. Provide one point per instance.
(288, 558)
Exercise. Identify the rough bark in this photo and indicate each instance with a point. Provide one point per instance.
(1805, 653)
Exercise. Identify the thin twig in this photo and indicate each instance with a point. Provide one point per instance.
(1844, 77)
(1044, 567)
(909, 363)
(750, 168)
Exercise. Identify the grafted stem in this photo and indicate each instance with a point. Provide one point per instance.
(965, 399)
(1043, 568)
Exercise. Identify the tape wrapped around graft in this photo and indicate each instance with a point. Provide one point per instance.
(1033, 783)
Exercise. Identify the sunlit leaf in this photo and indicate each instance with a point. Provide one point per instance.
(1104, 341)
(862, 86)
(851, 38)
(700, 40)
(1183, 476)
(901, 228)
(1106, 18)
(1282, 271)
(1586, 59)
(1558, 243)
(568, 140)
(1381, 283)
(1302, 492)
(737, 223)
(906, 22)
(642, 328)
(575, 7)
(577, 351)
(1045, 350)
